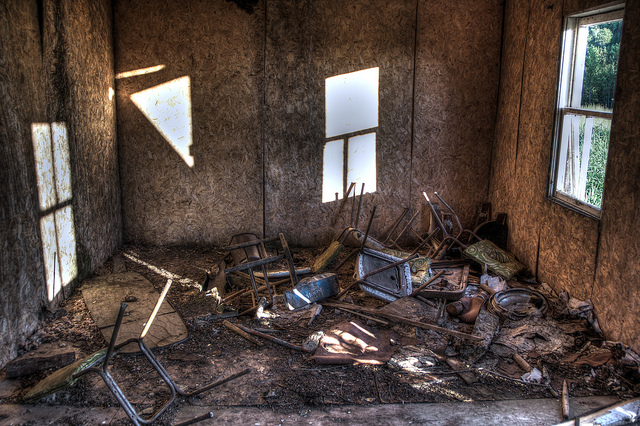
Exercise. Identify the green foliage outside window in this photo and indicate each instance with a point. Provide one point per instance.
(603, 47)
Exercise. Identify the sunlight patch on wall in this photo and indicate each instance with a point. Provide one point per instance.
(168, 107)
(361, 167)
(41, 136)
(333, 171)
(351, 102)
(351, 109)
(140, 71)
(57, 230)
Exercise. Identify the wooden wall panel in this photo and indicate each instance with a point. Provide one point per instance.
(617, 293)
(548, 238)
(569, 251)
(308, 42)
(457, 72)
(219, 47)
(57, 67)
(21, 269)
(80, 94)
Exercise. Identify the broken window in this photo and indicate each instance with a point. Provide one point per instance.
(351, 107)
(585, 109)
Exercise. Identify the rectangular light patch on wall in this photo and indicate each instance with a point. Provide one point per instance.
(351, 102)
(333, 170)
(361, 165)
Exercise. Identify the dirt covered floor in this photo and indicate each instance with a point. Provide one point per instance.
(559, 345)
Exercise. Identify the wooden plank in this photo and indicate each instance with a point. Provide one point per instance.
(103, 296)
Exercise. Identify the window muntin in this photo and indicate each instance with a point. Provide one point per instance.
(585, 108)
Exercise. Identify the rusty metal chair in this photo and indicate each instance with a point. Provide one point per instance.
(104, 373)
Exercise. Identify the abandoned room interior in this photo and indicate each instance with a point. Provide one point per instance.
(310, 212)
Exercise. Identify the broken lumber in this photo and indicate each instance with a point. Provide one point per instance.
(273, 339)
(404, 320)
(461, 369)
(565, 400)
(365, 316)
(522, 363)
(38, 360)
(236, 329)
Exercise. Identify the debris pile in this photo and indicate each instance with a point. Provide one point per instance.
(455, 302)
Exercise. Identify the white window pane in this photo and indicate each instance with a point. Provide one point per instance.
(351, 102)
(333, 170)
(583, 157)
(361, 167)
(61, 161)
(41, 136)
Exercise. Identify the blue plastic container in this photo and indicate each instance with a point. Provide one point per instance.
(311, 289)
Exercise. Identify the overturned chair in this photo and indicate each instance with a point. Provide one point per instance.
(253, 264)
(103, 370)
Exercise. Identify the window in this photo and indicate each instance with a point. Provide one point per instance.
(584, 109)
(351, 106)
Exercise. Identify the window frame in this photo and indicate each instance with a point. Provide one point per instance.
(566, 100)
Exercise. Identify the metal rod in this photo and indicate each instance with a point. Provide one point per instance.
(198, 419)
(360, 314)
(452, 211)
(266, 280)
(366, 234)
(396, 224)
(251, 243)
(218, 383)
(114, 335)
(433, 210)
(253, 264)
(359, 206)
(353, 207)
(426, 240)
(406, 227)
(287, 253)
(404, 320)
(344, 202)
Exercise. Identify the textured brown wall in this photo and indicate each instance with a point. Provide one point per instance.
(220, 48)
(457, 71)
(58, 71)
(259, 78)
(617, 289)
(21, 271)
(560, 246)
(81, 53)
(306, 43)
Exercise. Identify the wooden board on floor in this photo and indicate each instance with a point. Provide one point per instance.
(103, 296)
